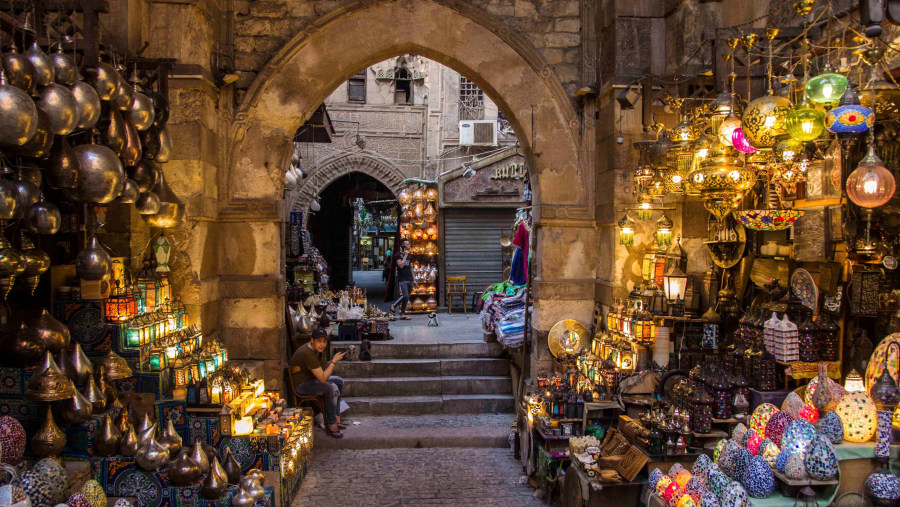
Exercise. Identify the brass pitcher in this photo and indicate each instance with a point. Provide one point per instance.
(184, 471)
(215, 484)
(199, 456)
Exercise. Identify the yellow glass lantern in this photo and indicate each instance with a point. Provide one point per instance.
(764, 120)
(664, 231)
(805, 122)
(857, 413)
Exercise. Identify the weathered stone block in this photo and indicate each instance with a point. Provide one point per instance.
(568, 25)
(525, 9)
(252, 44)
(250, 61)
(562, 40)
(260, 312)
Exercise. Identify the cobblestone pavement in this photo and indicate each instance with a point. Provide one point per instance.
(399, 477)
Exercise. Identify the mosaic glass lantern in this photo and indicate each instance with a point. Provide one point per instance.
(701, 410)
(764, 373)
(721, 393)
(761, 416)
(827, 87)
(857, 413)
(849, 118)
(807, 333)
(828, 333)
(711, 322)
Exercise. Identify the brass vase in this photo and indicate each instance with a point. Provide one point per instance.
(94, 395)
(76, 409)
(232, 467)
(130, 444)
(49, 384)
(171, 439)
(152, 455)
(215, 484)
(106, 440)
(62, 166)
(199, 456)
(242, 499)
(254, 488)
(184, 471)
(49, 440)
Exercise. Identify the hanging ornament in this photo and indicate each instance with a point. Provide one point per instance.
(871, 184)
(827, 87)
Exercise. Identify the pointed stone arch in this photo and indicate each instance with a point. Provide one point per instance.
(340, 165)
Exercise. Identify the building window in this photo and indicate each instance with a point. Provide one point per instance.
(402, 86)
(471, 100)
(356, 87)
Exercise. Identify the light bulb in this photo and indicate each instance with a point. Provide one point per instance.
(871, 184)
(729, 125)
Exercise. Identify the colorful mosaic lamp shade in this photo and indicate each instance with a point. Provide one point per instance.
(857, 412)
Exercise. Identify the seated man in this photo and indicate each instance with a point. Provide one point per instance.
(311, 379)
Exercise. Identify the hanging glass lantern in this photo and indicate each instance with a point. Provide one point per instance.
(827, 87)
(788, 150)
(854, 382)
(849, 118)
(805, 122)
(405, 197)
(764, 120)
(664, 231)
(731, 123)
(711, 322)
(740, 142)
(626, 231)
(645, 207)
(871, 184)
(683, 131)
(430, 213)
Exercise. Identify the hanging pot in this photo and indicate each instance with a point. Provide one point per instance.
(88, 104)
(152, 456)
(65, 70)
(232, 467)
(112, 129)
(11, 264)
(215, 484)
(36, 262)
(130, 192)
(53, 334)
(165, 146)
(171, 439)
(60, 105)
(49, 440)
(76, 366)
(131, 154)
(76, 409)
(147, 203)
(18, 114)
(44, 73)
(184, 471)
(124, 95)
(142, 112)
(26, 195)
(160, 109)
(93, 263)
(22, 348)
(18, 70)
(62, 166)
(199, 457)
(150, 142)
(171, 209)
(101, 177)
(104, 79)
(38, 146)
(42, 217)
(8, 201)
(106, 439)
(95, 396)
(130, 444)
(30, 172)
(145, 173)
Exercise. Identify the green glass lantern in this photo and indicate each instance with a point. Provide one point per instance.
(626, 231)
(827, 87)
(805, 122)
(645, 207)
(664, 231)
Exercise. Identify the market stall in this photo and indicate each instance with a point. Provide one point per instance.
(418, 223)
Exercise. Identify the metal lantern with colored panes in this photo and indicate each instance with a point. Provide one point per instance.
(116, 305)
(180, 371)
(886, 396)
(148, 285)
(711, 322)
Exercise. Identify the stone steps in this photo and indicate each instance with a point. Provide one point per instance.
(423, 386)
(438, 404)
(380, 368)
(393, 350)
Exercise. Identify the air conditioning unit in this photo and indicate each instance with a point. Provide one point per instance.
(478, 133)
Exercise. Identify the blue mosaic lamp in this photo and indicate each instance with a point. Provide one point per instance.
(849, 118)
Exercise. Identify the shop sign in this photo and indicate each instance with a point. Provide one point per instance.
(515, 171)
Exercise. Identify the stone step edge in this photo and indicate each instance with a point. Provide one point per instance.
(429, 379)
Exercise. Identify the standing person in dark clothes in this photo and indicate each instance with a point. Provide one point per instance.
(403, 261)
(315, 379)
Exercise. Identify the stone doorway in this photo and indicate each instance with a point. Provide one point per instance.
(326, 53)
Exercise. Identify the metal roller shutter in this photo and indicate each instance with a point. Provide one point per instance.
(472, 245)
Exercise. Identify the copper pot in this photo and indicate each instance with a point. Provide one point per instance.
(18, 114)
(38, 146)
(42, 217)
(60, 105)
(131, 154)
(18, 70)
(64, 68)
(184, 471)
(146, 174)
(93, 262)
(88, 104)
(104, 79)
(142, 112)
(165, 146)
(112, 129)
(62, 167)
(101, 177)
(53, 334)
(44, 73)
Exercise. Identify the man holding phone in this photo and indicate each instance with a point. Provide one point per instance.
(311, 379)
(403, 260)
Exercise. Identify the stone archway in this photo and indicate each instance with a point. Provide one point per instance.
(331, 169)
(326, 53)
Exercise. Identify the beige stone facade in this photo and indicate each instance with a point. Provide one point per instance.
(234, 140)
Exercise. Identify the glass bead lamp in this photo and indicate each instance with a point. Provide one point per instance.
(854, 382)
(645, 206)
(827, 87)
(857, 413)
(871, 184)
(886, 396)
(849, 118)
(805, 122)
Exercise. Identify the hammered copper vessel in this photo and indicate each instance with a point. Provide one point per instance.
(36, 261)
(116, 366)
(165, 146)
(242, 499)
(76, 409)
(101, 175)
(53, 334)
(142, 112)
(59, 103)
(93, 263)
(79, 366)
(26, 194)
(49, 440)
(147, 203)
(124, 95)
(7, 200)
(253, 487)
(215, 484)
(150, 142)
(94, 395)
(171, 209)
(62, 165)
(38, 145)
(18, 70)
(104, 79)
(64, 68)
(130, 192)
(42, 217)
(88, 104)
(232, 467)
(11, 264)
(145, 173)
(170, 439)
(152, 455)
(184, 471)
(112, 129)
(18, 114)
(199, 456)
(130, 444)
(146, 424)
(44, 72)
(131, 154)
(107, 437)
(144, 435)
(50, 384)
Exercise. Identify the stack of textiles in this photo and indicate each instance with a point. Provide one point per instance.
(504, 313)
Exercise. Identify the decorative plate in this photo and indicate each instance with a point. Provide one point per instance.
(804, 287)
(568, 336)
(768, 219)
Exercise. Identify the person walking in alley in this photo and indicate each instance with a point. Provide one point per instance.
(403, 261)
